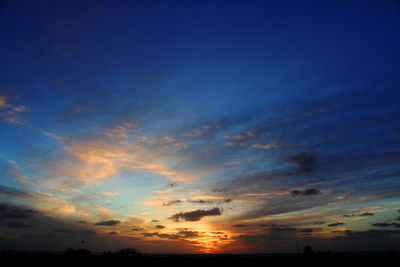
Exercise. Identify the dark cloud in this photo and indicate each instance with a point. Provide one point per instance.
(172, 184)
(310, 192)
(307, 230)
(8, 211)
(165, 236)
(113, 233)
(319, 223)
(307, 192)
(281, 229)
(188, 234)
(208, 201)
(335, 224)
(15, 224)
(172, 202)
(78, 232)
(365, 214)
(10, 192)
(275, 233)
(342, 231)
(267, 225)
(251, 237)
(108, 223)
(160, 226)
(305, 161)
(149, 234)
(195, 215)
(396, 225)
(137, 229)
(181, 234)
(369, 234)
(239, 225)
(220, 190)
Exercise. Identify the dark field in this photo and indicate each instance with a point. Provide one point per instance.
(317, 259)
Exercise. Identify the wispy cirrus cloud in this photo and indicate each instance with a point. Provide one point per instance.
(115, 152)
(9, 112)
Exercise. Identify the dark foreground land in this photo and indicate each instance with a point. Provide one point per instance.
(316, 259)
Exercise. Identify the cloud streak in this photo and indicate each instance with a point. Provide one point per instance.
(196, 215)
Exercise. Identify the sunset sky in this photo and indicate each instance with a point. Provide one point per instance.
(200, 126)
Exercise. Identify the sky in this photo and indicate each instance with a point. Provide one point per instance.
(200, 126)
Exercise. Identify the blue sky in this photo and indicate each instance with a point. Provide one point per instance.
(238, 126)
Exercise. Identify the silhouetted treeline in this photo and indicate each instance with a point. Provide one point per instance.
(133, 257)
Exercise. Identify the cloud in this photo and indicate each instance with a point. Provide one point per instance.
(160, 226)
(9, 112)
(239, 225)
(15, 224)
(307, 192)
(305, 161)
(38, 229)
(250, 133)
(335, 224)
(12, 192)
(100, 157)
(396, 225)
(272, 233)
(218, 233)
(172, 202)
(267, 225)
(11, 169)
(342, 231)
(209, 201)
(281, 229)
(240, 139)
(182, 234)
(108, 223)
(274, 145)
(3, 101)
(69, 231)
(8, 211)
(196, 215)
(51, 205)
(365, 214)
(203, 130)
(166, 236)
(369, 234)
(188, 233)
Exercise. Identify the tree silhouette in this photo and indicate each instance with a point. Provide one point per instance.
(308, 251)
(128, 252)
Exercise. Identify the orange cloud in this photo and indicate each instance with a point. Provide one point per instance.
(3, 101)
(114, 152)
